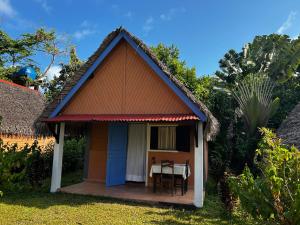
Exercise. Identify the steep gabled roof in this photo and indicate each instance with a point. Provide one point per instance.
(289, 129)
(19, 108)
(71, 85)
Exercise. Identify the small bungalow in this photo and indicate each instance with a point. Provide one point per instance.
(289, 129)
(136, 116)
(20, 107)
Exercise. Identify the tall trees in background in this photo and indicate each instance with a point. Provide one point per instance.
(276, 56)
(169, 55)
(54, 86)
(19, 52)
(15, 53)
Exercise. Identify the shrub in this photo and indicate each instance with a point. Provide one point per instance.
(73, 155)
(17, 165)
(27, 167)
(274, 194)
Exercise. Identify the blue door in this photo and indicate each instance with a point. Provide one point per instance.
(117, 148)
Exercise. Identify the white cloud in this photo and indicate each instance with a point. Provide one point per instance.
(288, 23)
(44, 4)
(128, 14)
(80, 34)
(85, 23)
(148, 25)
(87, 29)
(7, 9)
(115, 6)
(171, 13)
(53, 71)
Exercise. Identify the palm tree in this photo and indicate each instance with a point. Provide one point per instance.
(255, 100)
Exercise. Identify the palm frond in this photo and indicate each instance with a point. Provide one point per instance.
(254, 96)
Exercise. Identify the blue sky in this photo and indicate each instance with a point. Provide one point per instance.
(203, 30)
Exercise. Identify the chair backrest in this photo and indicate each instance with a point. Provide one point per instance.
(166, 164)
(153, 160)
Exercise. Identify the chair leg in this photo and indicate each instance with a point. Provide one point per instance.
(182, 186)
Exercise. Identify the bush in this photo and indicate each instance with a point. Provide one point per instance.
(18, 167)
(26, 167)
(274, 194)
(73, 155)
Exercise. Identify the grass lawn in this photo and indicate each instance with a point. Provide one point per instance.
(46, 208)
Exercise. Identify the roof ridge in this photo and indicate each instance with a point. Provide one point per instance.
(19, 86)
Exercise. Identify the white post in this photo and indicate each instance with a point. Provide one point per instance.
(148, 129)
(198, 169)
(57, 160)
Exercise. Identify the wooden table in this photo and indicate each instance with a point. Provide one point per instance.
(179, 170)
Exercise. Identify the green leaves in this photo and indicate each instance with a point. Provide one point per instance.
(274, 193)
(169, 55)
(254, 97)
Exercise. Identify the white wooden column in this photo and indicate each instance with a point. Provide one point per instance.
(148, 130)
(198, 169)
(57, 160)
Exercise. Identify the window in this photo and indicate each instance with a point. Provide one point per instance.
(170, 138)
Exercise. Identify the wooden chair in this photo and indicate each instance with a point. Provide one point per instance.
(179, 182)
(167, 179)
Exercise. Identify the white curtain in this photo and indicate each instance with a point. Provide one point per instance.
(166, 137)
(136, 153)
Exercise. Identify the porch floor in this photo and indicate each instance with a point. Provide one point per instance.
(130, 191)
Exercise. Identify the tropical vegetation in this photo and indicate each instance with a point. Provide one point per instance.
(274, 193)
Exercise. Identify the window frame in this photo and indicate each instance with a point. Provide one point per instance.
(167, 150)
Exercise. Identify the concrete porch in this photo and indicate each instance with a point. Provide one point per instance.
(130, 191)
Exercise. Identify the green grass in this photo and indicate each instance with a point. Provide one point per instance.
(46, 208)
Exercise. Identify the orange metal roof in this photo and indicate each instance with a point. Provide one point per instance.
(123, 118)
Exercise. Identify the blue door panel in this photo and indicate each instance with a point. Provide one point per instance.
(117, 154)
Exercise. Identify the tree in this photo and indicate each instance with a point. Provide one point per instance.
(169, 55)
(15, 53)
(53, 87)
(275, 55)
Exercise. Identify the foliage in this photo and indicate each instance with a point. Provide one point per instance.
(254, 97)
(26, 167)
(14, 165)
(275, 55)
(169, 55)
(15, 53)
(73, 154)
(275, 193)
(53, 87)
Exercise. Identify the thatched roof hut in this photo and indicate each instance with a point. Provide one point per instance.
(289, 130)
(19, 108)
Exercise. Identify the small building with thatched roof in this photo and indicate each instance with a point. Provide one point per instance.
(19, 109)
(140, 122)
(289, 129)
